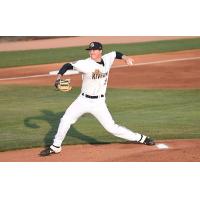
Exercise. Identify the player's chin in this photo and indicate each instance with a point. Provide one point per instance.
(93, 57)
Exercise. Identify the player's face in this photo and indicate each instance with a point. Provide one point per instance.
(95, 54)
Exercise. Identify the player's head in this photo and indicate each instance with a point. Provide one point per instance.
(95, 50)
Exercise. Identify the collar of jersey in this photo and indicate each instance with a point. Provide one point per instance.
(100, 63)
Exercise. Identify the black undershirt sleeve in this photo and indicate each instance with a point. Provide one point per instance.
(119, 55)
(64, 68)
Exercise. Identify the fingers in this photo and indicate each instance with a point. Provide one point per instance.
(130, 61)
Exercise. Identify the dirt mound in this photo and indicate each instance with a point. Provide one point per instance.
(175, 151)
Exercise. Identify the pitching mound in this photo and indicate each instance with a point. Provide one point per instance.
(167, 151)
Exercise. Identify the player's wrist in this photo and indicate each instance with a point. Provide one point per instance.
(59, 77)
(57, 80)
(56, 83)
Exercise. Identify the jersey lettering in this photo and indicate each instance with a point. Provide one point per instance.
(97, 74)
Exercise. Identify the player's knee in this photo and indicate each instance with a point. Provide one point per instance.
(112, 128)
(67, 120)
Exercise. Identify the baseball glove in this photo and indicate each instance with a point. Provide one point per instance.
(63, 85)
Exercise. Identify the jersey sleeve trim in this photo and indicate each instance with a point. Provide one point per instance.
(64, 68)
(119, 55)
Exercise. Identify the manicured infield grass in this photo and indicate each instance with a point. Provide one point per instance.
(45, 56)
(30, 115)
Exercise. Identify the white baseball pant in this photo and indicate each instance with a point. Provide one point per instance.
(98, 108)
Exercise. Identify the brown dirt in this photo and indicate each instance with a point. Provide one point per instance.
(181, 74)
(178, 151)
(80, 41)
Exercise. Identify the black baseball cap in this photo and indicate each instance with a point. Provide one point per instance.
(95, 46)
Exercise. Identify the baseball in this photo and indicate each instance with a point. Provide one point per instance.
(131, 63)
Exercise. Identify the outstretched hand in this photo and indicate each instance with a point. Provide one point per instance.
(128, 60)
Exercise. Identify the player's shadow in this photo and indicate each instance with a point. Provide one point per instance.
(53, 120)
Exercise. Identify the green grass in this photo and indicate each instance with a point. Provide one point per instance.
(30, 115)
(45, 56)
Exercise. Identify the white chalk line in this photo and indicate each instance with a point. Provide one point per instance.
(116, 66)
(25, 77)
(160, 61)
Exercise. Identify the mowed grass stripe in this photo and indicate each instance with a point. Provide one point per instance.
(30, 115)
(45, 56)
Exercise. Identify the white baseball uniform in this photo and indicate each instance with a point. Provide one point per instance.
(92, 100)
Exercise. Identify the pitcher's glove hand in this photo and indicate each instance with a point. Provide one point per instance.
(63, 85)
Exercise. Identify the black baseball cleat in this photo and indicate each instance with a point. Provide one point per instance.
(47, 152)
(146, 140)
(50, 150)
(149, 141)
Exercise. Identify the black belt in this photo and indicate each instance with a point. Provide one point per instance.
(92, 97)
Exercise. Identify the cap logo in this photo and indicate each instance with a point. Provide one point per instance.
(92, 44)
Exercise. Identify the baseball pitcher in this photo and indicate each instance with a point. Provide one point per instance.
(95, 73)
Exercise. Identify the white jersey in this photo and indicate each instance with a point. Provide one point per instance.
(95, 79)
(95, 76)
